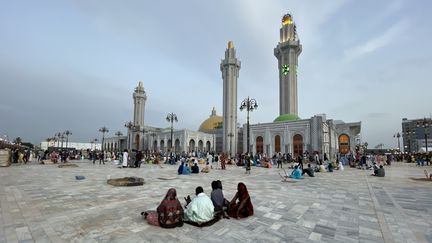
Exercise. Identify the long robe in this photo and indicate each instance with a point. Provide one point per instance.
(125, 159)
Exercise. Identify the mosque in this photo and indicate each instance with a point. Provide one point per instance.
(288, 133)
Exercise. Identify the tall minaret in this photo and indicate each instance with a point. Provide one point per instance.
(139, 97)
(287, 52)
(230, 67)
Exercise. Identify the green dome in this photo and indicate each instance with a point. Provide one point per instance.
(287, 117)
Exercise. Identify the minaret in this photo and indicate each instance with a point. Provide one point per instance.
(136, 136)
(139, 97)
(230, 67)
(287, 52)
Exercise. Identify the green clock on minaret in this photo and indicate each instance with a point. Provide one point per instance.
(285, 69)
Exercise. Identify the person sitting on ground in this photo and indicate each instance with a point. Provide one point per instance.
(206, 169)
(180, 168)
(218, 199)
(330, 167)
(296, 173)
(195, 168)
(379, 172)
(186, 169)
(322, 168)
(169, 213)
(199, 210)
(267, 163)
(241, 205)
(309, 170)
(340, 166)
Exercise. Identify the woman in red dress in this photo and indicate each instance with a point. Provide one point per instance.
(241, 205)
(169, 214)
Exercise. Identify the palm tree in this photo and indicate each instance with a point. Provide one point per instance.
(67, 133)
(103, 130)
(17, 140)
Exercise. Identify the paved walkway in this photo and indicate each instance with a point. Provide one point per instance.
(44, 203)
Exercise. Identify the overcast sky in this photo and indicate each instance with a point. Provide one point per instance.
(74, 64)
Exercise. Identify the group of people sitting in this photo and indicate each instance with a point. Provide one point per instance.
(201, 210)
(185, 169)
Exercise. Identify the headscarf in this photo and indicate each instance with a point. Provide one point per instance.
(170, 210)
(171, 194)
(242, 191)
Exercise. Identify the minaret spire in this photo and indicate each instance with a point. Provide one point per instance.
(230, 67)
(287, 52)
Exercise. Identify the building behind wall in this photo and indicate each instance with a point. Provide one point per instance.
(413, 135)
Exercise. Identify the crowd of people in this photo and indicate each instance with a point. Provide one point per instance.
(202, 210)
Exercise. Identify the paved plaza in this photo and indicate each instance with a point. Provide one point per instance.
(44, 203)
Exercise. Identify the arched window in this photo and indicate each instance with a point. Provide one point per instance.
(259, 145)
(191, 145)
(277, 144)
(297, 145)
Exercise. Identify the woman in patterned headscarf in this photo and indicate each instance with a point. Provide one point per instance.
(243, 208)
(169, 213)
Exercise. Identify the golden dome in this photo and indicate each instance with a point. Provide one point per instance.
(211, 123)
(287, 19)
(230, 44)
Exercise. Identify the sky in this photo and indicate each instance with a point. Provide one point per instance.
(73, 65)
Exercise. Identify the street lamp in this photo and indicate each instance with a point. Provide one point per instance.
(129, 126)
(62, 137)
(95, 141)
(248, 105)
(103, 130)
(425, 123)
(118, 134)
(397, 135)
(171, 117)
(67, 133)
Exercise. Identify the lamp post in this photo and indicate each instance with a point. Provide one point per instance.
(67, 133)
(171, 117)
(425, 123)
(95, 141)
(62, 137)
(103, 130)
(230, 135)
(129, 126)
(248, 104)
(118, 134)
(397, 135)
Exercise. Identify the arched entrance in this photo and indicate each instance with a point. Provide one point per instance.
(162, 145)
(208, 146)
(169, 144)
(344, 144)
(191, 145)
(177, 145)
(297, 145)
(277, 144)
(259, 145)
(200, 146)
(154, 145)
(137, 142)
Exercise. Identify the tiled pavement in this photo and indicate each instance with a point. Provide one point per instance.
(44, 203)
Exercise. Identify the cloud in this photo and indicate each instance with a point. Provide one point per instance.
(377, 42)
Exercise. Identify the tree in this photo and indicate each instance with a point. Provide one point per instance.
(17, 140)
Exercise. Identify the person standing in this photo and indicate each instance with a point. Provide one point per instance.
(279, 159)
(248, 164)
(125, 158)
